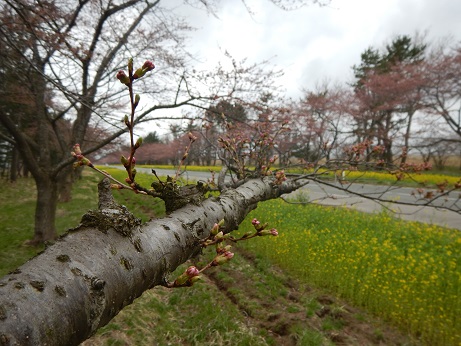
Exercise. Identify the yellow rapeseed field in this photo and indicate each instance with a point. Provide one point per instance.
(407, 272)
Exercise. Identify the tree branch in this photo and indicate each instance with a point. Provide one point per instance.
(77, 285)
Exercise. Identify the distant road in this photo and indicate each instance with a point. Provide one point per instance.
(327, 195)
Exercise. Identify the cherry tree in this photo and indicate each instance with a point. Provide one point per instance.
(388, 90)
(443, 92)
(323, 115)
(64, 54)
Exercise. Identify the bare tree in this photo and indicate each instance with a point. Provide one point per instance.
(65, 54)
(443, 92)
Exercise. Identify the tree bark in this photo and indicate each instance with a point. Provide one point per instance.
(14, 164)
(77, 285)
(45, 211)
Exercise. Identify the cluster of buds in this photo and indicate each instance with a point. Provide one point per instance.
(266, 169)
(190, 276)
(223, 254)
(81, 160)
(261, 228)
(415, 168)
(356, 151)
(129, 120)
(280, 177)
(140, 72)
(378, 150)
(222, 258)
(129, 165)
(237, 148)
(216, 235)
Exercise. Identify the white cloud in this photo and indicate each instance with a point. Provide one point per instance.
(314, 43)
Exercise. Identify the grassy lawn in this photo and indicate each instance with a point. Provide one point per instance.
(403, 279)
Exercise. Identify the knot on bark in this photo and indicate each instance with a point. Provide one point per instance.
(176, 197)
(110, 214)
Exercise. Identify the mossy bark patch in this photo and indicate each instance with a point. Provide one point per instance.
(117, 218)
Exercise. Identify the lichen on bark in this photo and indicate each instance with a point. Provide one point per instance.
(110, 214)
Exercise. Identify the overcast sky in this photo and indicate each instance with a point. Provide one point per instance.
(314, 43)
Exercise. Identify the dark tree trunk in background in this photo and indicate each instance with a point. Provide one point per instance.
(14, 164)
(45, 210)
(65, 184)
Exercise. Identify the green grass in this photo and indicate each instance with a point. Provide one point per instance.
(17, 203)
(406, 272)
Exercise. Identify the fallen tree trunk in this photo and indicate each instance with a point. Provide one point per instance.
(77, 285)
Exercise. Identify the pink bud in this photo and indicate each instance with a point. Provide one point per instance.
(222, 258)
(255, 222)
(77, 149)
(148, 66)
(228, 255)
(192, 271)
(123, 78)
(274, 232)
(215, 229)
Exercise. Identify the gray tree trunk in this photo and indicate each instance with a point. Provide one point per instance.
(77, 285)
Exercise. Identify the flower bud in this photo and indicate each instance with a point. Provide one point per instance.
(215, 229)
(77, 150)
(148, 66)
(130, 65)
(192, 271)
(138, 143)
(136, 100)
(124, 161)
(272, 232)
(222, 258)
(220, 248)
(258, 226)
(192, 138)
(123, 78)
(181, 280)
(126, 120)
(194, 279)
